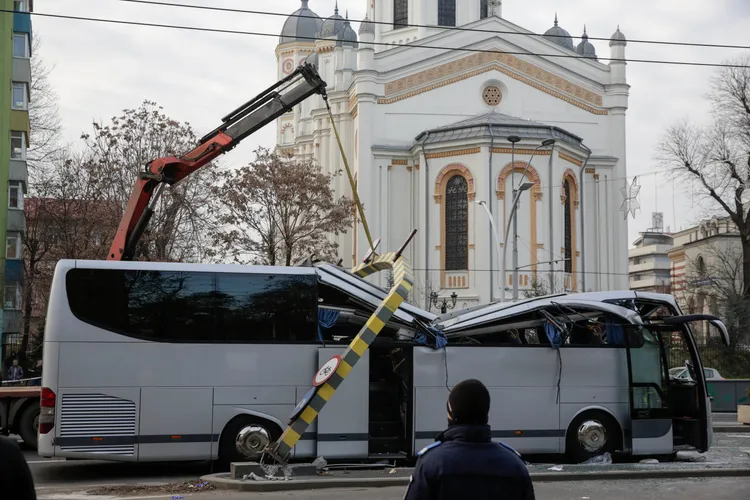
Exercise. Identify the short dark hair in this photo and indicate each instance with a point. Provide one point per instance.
(469, 403)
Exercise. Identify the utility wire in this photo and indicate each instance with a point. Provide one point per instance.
(430, 26)
(421, 46)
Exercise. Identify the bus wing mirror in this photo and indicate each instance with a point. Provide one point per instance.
(722, 330)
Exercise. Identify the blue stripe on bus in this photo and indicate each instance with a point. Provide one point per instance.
(532, 433)
(185, 438)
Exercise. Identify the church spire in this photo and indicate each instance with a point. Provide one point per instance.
(336, 8)
(555, 18)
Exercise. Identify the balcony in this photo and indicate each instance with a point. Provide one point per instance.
(650, 250)
(16, 220)
(21, 70)
(19, 172)
(649, 282)
(12, 321)
(646, 267)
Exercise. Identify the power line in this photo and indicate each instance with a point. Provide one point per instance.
(430, 26)
(457, 49)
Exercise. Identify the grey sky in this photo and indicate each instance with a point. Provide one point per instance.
(101, 69)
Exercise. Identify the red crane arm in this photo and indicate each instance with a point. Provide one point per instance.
(278, 99)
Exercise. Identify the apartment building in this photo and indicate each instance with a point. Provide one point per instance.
(649, 267)
(15, 94)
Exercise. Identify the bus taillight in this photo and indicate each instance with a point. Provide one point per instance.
(47, 412)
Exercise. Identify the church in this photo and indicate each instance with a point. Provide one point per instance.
(447, 117)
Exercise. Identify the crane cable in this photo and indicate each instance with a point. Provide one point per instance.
(351, 178)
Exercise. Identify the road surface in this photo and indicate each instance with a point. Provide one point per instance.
(708, 489)
(729, 448)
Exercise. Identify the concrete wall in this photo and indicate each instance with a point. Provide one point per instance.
(728, 394)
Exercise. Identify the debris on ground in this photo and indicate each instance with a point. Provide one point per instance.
(649, 461)
(605, 459)
(174, 488)
(556, 468)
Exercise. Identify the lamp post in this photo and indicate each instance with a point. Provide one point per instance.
(444, 305)
(483, 204)
(513, 139)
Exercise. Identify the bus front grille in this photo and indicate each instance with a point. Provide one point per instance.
(97, 423)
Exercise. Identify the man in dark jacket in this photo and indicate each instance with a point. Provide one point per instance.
(15, 477)
(463, 462)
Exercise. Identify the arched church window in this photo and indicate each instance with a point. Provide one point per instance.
(457, 224)
(484, 8)
(400, 13)
(446, 12)
(568, 228)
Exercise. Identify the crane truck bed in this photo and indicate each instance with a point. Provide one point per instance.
(19, 412)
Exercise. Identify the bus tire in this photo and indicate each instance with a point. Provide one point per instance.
(28, 425)
(255, 433)
(591, 434)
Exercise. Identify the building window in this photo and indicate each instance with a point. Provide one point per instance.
(17, 146)
(400, 13)
(15, 196)
(457, 224)
(20, 6)
(484, 9)
(13, 247)
(20, 45)
(446, 12)
(12, 296)
(19, 96)
(569, 228)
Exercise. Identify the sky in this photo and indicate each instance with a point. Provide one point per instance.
(101, 69)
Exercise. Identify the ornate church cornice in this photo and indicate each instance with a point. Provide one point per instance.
(476, 64)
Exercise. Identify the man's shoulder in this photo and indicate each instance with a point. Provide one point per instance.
(424, 451)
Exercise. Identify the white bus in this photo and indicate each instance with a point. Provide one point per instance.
(154, 361)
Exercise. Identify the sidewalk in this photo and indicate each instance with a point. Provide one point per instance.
(539, 473)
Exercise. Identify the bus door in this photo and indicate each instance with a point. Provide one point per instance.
(650, 414)
(689, 399)
(343, 423)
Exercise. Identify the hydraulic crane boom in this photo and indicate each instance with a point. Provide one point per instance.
(237, 125)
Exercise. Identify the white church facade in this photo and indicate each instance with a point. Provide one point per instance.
(439, 123)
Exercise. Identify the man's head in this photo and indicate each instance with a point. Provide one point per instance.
(469, 404)
(15, 362)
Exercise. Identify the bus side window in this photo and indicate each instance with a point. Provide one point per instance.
(267, 308)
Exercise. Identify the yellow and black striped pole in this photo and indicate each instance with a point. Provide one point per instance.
(403, 283)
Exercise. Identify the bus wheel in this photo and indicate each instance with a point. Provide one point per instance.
(590, 435)
(28, 426)
(245, 438)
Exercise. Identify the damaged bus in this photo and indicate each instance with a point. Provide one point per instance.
(171, 361)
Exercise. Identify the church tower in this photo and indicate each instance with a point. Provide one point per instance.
(399, 22)
(296, 44)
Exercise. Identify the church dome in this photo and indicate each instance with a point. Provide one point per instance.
(347, 35)
(303, 25)
(333, 25)
(618, 38)
(585, 48)
(366, 26)
(558, 35)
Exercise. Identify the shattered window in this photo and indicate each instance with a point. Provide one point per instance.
(457, 224)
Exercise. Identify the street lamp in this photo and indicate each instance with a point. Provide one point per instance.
(483, 204)
(523, 187)
(444, 305)
(513, 139)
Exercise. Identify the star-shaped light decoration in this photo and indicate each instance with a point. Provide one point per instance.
(630, 204)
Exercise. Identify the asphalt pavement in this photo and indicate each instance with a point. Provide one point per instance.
(702, 489)
(730, 449)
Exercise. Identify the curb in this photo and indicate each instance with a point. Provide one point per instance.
(540, 477)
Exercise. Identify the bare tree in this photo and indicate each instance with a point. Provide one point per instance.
(67, 217)
(44, 115)
(277, 210)
(717, 275)
(716, 158)
(120, 151)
